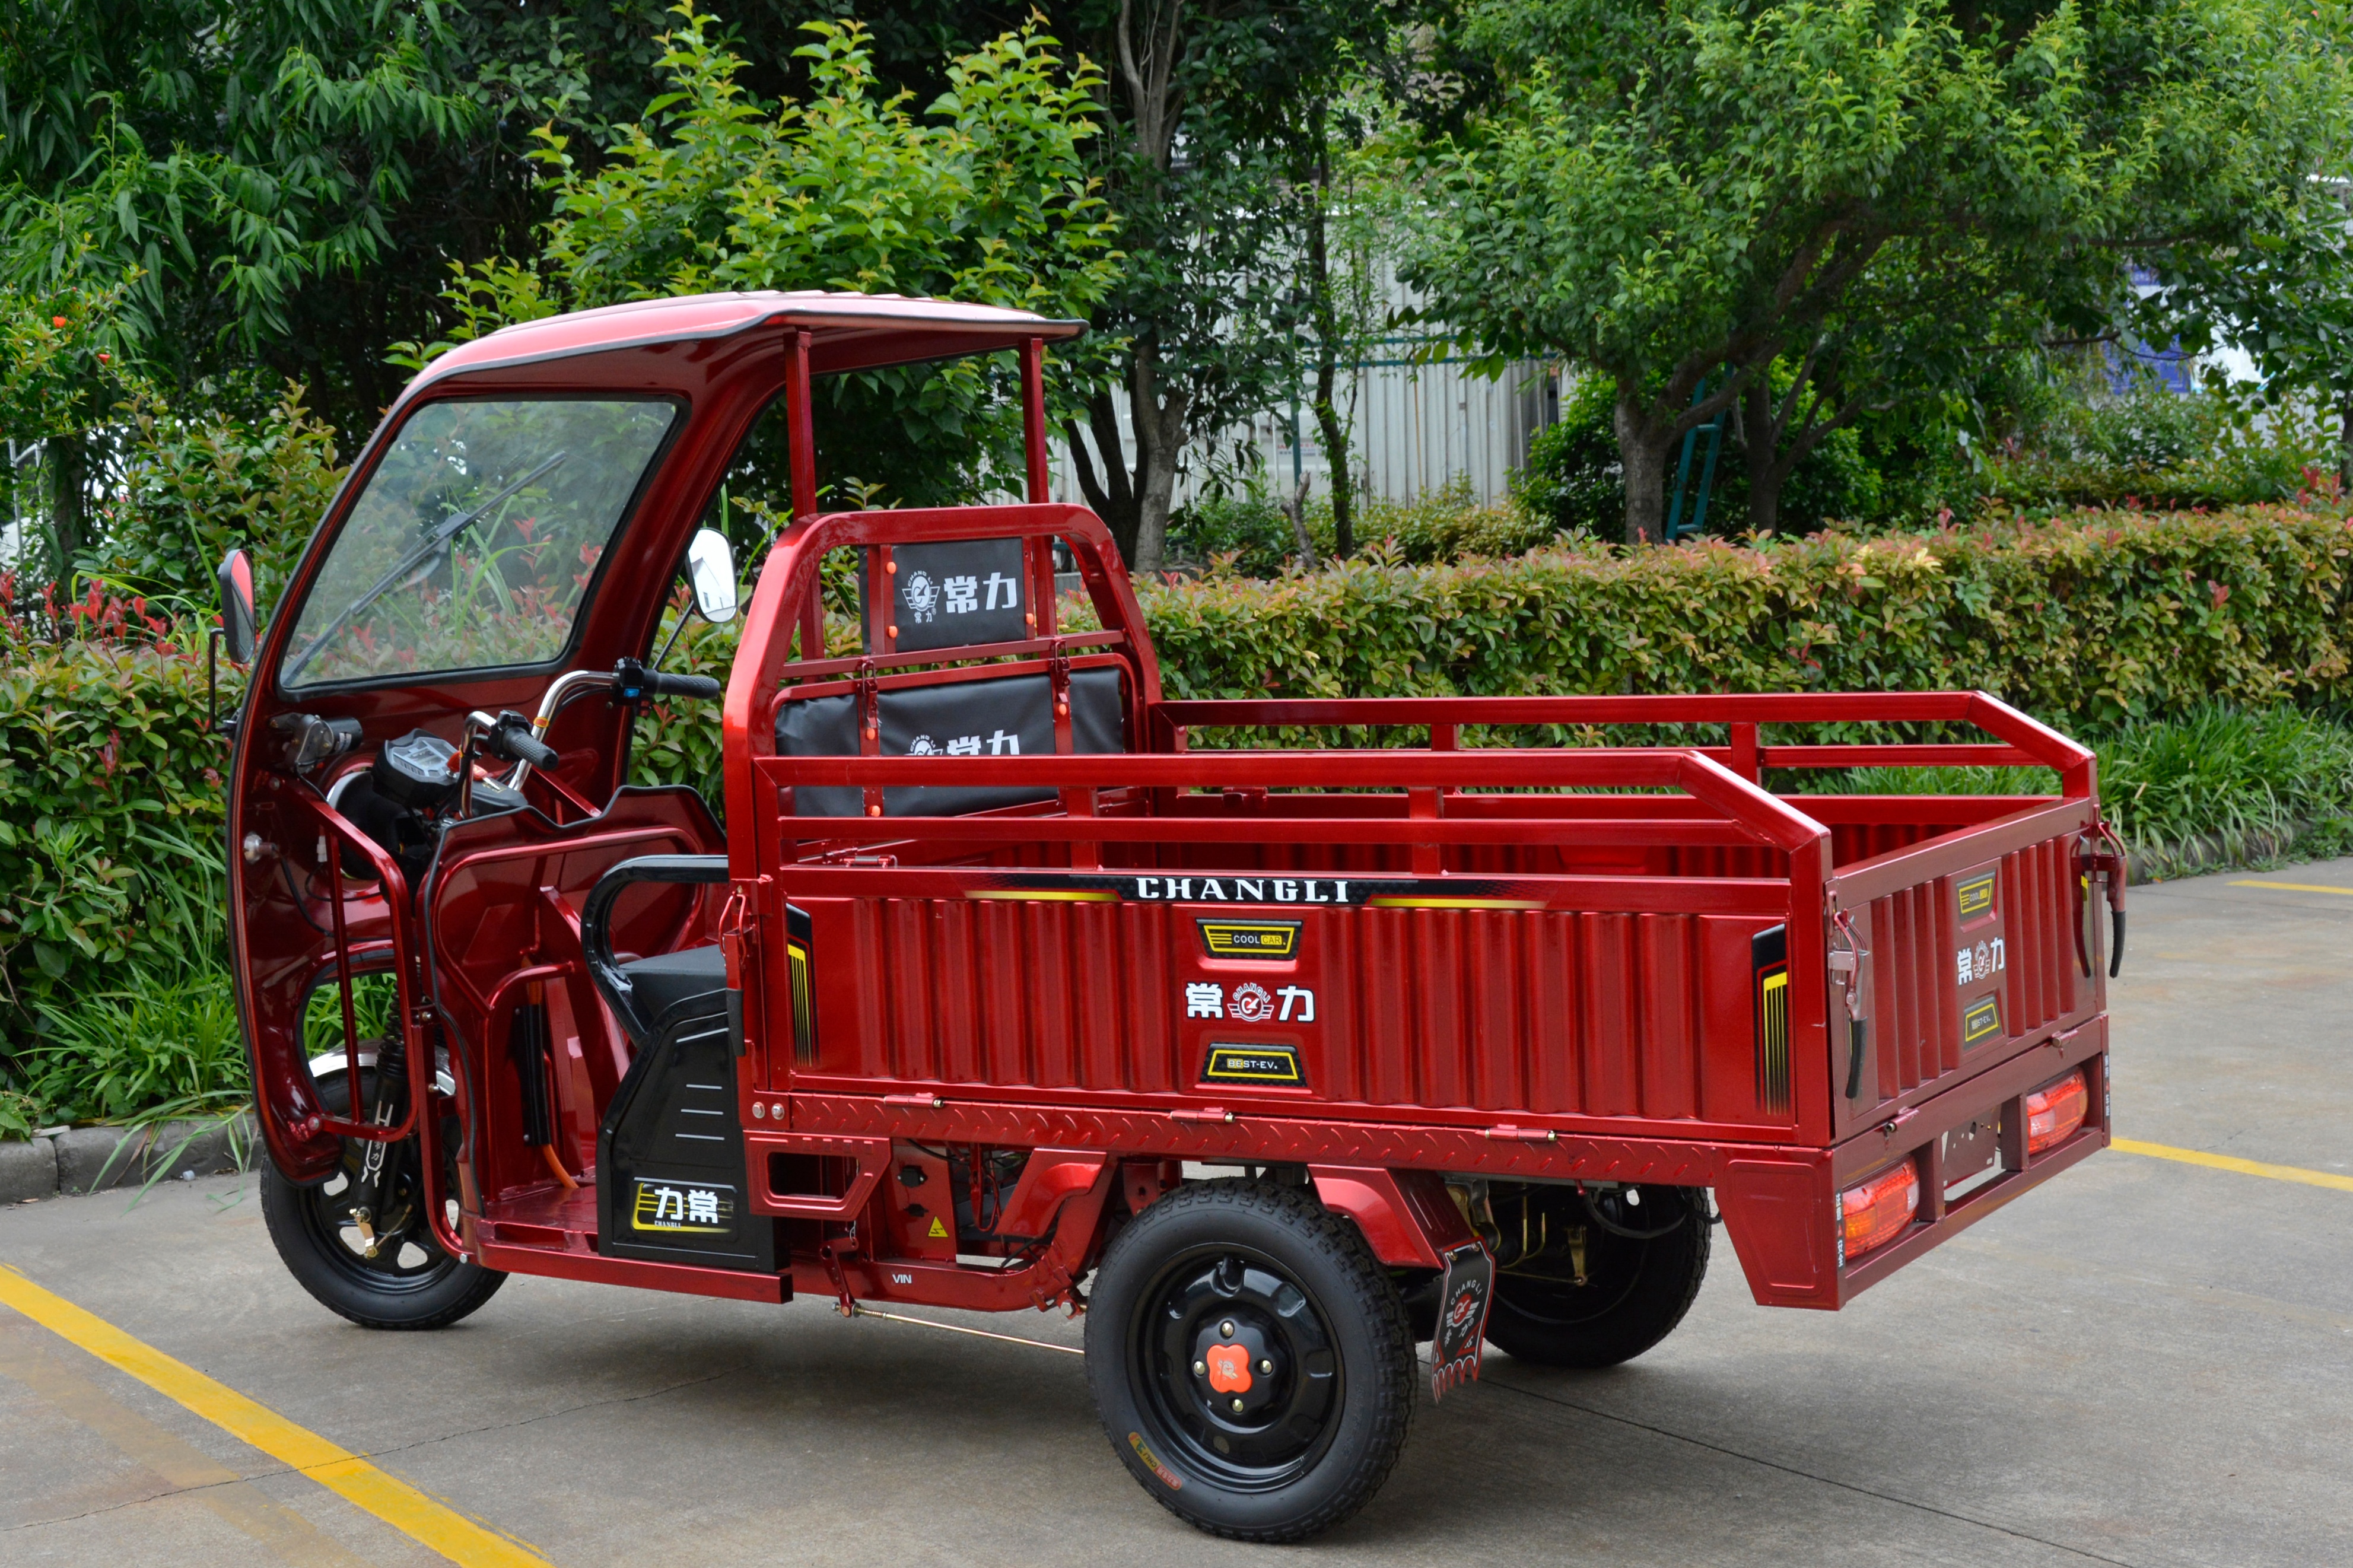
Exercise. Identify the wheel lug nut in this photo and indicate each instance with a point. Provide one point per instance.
(1225, 1329)
(1200, 1369)
(1237, 1408)
(1267, 1367)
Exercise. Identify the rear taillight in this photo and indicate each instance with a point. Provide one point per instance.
(1877, 1211)
(2054, 1112)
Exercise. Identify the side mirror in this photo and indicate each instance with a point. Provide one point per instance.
(711, 565)
(236, 577)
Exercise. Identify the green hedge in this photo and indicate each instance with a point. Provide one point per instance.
(2092, 619)
(110, 810)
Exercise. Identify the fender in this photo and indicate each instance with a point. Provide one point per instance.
(332, 1061)
(1408, 1217)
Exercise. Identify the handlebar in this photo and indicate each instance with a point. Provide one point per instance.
(633, 683)
(515, 738)
(512, 739)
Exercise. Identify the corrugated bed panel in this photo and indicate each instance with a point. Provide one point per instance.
(1505, 1011)
(1916, 994)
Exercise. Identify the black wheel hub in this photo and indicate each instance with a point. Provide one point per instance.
(385, 1245)
(1241, 1367)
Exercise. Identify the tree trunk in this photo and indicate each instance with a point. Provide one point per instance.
(1159, 420)
(1758, 439)
(1642, 450)
(69, 474)
(1334, 438)
(1146, 48)
(1110, 494)
(1330, 432)
(1297, 510)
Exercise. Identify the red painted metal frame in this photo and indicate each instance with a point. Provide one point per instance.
(725, 357)
(1690, 836)
(1141, 801)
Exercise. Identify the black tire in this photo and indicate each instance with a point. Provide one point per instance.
(1267, 1271)
(1635, 1291)
(411, 1283)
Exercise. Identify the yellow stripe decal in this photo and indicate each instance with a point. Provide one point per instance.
(349, 1475)
(2233, 1162)
(2296, 888)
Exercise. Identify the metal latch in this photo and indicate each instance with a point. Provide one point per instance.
(1846, 963)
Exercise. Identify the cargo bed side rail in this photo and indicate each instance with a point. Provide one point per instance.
(2017, 740)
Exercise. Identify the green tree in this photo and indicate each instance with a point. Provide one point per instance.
(2285, 296)
(1343, 216)
(1681, 193)
(986, 197)
(1202, 150)
(221, 159)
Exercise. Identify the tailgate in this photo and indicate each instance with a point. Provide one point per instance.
(1977, 947)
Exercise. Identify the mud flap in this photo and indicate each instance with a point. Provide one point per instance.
(1465, 1291)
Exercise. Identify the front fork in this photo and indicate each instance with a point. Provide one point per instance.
(379, 1161)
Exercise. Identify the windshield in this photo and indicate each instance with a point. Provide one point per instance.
(476, 539)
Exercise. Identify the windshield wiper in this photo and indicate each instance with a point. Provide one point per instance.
(433, 544)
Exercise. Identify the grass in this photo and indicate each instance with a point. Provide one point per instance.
(2218, 786)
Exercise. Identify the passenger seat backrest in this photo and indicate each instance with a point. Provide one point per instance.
(953, 593)
(1002, 716)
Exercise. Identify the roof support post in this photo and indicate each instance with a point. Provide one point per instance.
(804, 428)
(801, 451)
(1033, 416)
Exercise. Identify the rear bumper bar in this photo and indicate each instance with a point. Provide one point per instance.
(1782, 1213)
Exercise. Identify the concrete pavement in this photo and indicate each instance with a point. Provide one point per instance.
(2145, 1363)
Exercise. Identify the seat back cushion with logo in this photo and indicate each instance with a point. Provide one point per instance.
(1011, 716)
(953, 593)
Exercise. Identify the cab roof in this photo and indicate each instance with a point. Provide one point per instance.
(847, 332)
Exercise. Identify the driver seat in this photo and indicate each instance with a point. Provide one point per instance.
(661, 983)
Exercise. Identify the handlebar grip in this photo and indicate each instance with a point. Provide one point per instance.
(683, 686)
(527, 747)
(512, 738)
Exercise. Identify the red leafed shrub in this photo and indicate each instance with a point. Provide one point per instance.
(110, 795)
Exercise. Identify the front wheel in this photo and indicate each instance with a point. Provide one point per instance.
(1251, 1360)
(389, 1273)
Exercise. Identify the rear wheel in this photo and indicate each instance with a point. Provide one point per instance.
(1605, 1278)
(390, 1273)
(1251, 1360)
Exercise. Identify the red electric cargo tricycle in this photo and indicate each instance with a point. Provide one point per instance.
(1001, 989)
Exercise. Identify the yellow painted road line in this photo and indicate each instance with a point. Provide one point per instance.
(349, 1475)
(2233, 1162)
(2296, 888)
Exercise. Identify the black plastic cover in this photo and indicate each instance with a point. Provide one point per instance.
(670, 1175)
(1011, 716)
(414, 770)
(661, 983)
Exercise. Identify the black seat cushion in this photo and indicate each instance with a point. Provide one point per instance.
(1006, 716)
(662, 981)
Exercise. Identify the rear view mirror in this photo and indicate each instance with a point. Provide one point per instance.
(711, 565)
(237, 607)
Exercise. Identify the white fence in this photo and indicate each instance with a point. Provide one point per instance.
(1418, 427)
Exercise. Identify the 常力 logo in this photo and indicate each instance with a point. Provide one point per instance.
(1252, 1003)
(922, 595)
